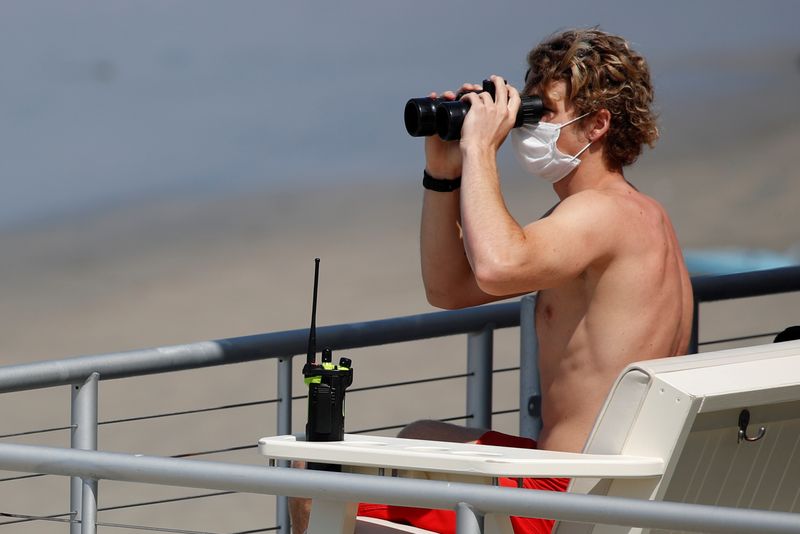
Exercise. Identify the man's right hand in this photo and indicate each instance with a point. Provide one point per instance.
(443, 158)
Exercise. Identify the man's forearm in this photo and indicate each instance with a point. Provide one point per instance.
(491, 235)
(445, 268)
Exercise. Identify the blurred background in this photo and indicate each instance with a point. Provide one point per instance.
(171, 168)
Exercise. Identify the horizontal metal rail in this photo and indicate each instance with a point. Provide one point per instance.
(397, 491)
(739, 338)
(744, 285)
(739, 285)
(255, 347)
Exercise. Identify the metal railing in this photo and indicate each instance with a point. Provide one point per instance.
(738, 286)
(83, 373)
(470, 501)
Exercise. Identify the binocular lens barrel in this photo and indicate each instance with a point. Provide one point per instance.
(420, 116)
(450, 118)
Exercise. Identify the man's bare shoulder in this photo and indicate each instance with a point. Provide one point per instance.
(582, 228)
(610, 205)
(591, 207)
(610, 221)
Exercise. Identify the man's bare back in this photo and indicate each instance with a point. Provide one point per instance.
(635, 306)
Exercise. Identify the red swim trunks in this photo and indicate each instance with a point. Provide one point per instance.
(444, 521)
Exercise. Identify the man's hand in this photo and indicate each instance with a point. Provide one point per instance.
(488, 121)
(443, 158)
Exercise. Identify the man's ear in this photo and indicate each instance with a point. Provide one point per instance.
(599, 123)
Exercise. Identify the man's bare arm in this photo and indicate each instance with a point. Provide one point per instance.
(508, 258)
(446, 273)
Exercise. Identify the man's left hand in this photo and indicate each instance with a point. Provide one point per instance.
(488, 121)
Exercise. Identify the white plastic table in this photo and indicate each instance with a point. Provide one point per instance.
(462, 462)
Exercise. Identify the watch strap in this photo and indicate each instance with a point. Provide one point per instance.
(438, 184)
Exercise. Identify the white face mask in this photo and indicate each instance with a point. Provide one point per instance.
(535, 145)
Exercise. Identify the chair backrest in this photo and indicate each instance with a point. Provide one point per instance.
(689, 410)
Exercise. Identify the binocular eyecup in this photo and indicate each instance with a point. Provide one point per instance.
(428, 116)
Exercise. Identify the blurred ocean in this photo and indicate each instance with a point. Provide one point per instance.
(109, 102)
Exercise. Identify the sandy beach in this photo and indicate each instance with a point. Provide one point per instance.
(194, 268)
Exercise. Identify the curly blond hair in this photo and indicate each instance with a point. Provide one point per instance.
(601, 71)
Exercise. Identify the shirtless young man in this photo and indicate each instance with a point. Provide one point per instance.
(611, 281)
(612, 284)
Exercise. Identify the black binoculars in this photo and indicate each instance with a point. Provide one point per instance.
(427, 116)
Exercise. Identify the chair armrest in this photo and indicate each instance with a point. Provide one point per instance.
(461, 458)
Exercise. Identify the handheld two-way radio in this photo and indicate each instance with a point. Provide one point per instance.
(326, 383)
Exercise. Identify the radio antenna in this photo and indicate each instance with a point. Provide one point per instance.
(312, 332)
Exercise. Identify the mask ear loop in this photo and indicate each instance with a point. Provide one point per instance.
(581, 151)
(574, 120)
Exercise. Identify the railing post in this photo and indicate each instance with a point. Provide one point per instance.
(285, 395)
(467, 520)
(530, 396)
(480, 355)
(83, 492)
(284, 427)
(694, 341)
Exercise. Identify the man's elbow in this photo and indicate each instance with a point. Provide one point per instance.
(493, 286)
(445, 301)
(499, 278)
